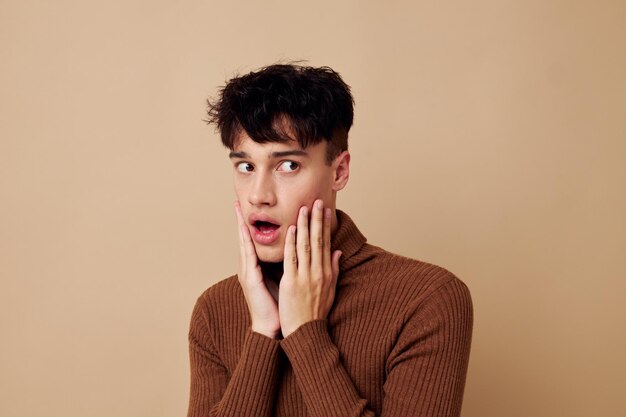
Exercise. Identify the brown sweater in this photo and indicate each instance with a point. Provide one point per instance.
(395, 343)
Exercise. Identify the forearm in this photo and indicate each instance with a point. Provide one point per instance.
(251, 389)
(325, 385)
(426, 368)
(248, 389)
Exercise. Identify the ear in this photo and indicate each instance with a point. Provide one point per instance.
(341, 170)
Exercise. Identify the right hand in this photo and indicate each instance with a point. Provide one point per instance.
(263, 308)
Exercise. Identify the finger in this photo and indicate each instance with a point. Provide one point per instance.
(303, 245)
(317, 238)
(290, 261)
(335, 262)
(242, 251)
(326, 249)
(336, 255)
(239, 213)
(250, 253)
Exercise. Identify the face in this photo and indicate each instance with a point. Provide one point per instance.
(273, 180)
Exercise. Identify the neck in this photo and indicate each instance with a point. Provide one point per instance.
(334, 224)
(272, 270)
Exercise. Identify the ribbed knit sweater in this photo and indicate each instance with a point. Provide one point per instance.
(395, 343)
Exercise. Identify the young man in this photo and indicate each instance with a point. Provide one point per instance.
(317, 322)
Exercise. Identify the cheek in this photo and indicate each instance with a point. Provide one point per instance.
(303, 198)
(241, 191)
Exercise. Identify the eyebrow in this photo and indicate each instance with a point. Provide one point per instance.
(280, 154)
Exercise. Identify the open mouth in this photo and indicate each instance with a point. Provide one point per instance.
(265, 227)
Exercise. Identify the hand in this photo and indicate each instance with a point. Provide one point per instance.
(307, 287)
(263, 308)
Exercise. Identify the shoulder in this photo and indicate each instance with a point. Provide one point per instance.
(226, 287)
(223, 293)
(427, 295)
(413, 276)
(436, 291)
(219, 305)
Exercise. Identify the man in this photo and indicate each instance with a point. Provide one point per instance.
(317, 322)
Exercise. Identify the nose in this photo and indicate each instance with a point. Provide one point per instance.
(262, 192)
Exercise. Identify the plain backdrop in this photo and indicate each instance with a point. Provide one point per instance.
(489, 138)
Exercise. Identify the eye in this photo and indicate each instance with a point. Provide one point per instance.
(244, 167)
(290, 166)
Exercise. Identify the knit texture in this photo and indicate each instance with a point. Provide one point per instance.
(395, 343)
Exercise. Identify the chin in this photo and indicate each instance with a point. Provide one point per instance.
(270, 255)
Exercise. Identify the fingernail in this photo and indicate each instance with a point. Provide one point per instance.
(319, 204)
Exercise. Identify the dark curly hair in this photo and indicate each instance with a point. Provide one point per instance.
(315, 102)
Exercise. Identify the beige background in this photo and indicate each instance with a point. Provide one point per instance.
(489, 138)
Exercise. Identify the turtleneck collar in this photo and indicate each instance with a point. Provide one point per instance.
(348, 239)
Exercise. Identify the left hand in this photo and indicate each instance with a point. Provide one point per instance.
(307, 287)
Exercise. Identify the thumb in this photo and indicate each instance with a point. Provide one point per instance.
(335, 263)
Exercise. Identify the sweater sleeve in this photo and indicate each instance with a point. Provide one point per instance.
(426, 368)
(249, 391)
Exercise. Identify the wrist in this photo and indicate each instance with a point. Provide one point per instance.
(272, 334)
